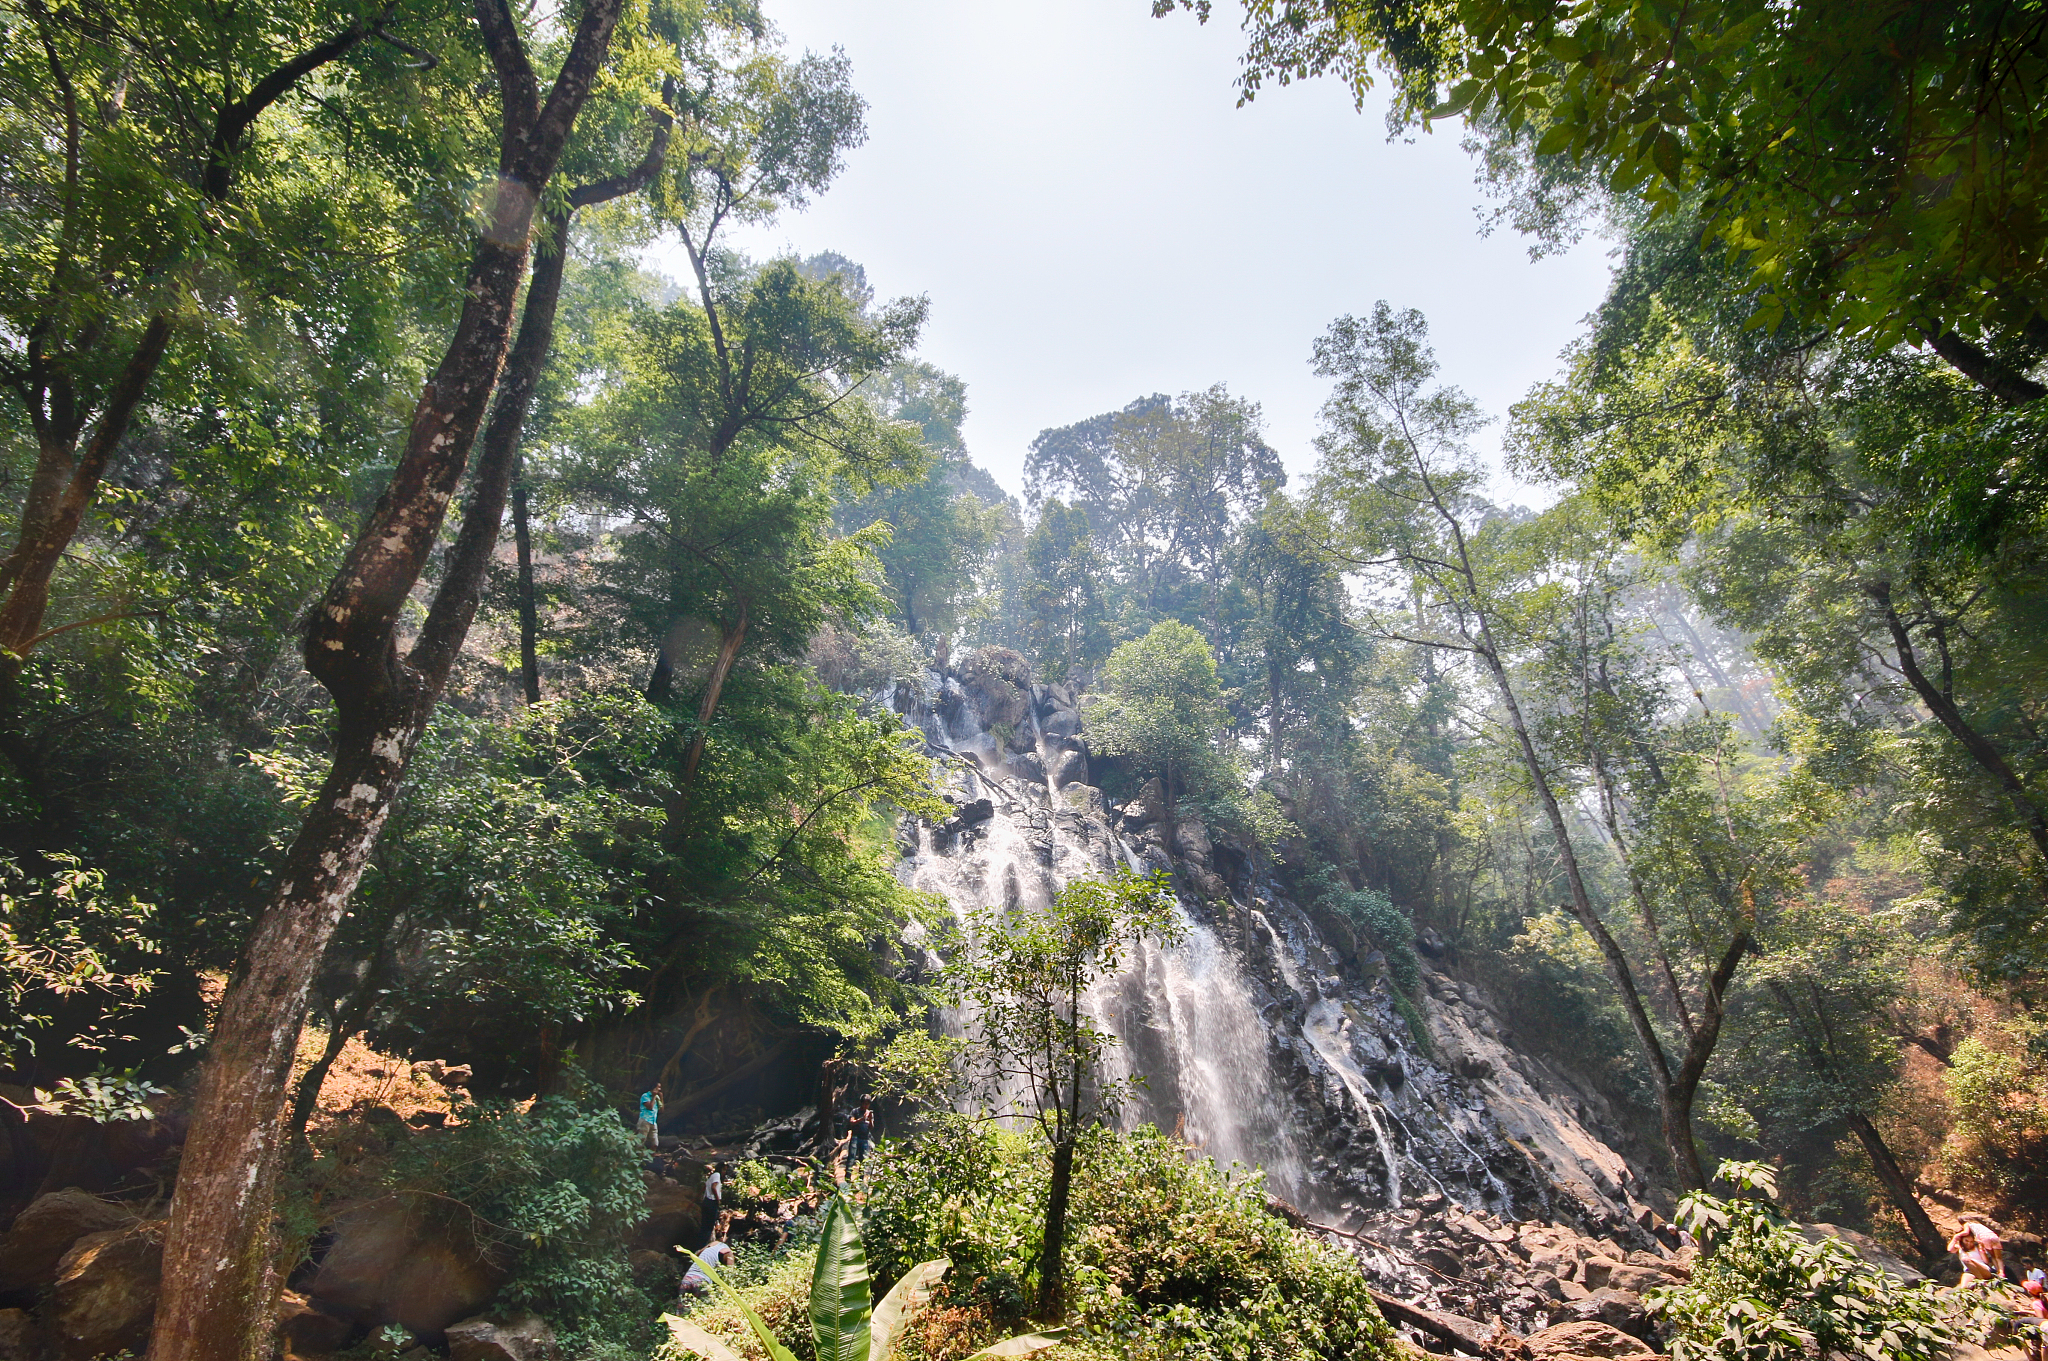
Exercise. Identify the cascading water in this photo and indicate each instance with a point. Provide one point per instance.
(1254, 1040)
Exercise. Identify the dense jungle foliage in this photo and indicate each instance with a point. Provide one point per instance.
(1725, 765)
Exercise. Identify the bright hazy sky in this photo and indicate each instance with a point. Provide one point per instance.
(1094, 219)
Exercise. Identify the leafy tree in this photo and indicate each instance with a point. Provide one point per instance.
(1164, 484)
(1162, 707)
(1063, 608)
(1033, 1050)
(197, 244)
(1869, 518)
(1762, 1292)
(1541, 599)
(1806, 133)
(940, 531)
(217, 1271)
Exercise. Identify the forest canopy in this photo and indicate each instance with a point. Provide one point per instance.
(427, 624)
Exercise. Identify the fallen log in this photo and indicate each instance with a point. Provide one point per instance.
(1462, 1333)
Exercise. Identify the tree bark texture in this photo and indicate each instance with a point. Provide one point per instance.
(1052, 1285)
(219, 1281)
(529, 613)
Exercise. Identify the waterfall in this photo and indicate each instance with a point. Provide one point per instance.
(1250, 1038)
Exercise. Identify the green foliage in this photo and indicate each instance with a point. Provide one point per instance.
(1799, 129)
(1168, 1255)
(2000, 1103)
(844, 1324)
(1033, 1051)
(1762, 1292)
(1373, 915)
(1162, 707)
(547, 1189)
(67, 948)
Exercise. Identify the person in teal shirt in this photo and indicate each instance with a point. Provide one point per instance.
(649, 1128)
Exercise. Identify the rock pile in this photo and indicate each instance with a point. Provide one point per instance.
(1463, 1266)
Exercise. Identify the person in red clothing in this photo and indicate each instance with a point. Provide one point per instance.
(2033, 1320)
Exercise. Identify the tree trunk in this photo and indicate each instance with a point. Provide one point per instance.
(1898, 1186)
(529, 614)
(220, 1273)
(728, 652)
(1987, 756)
(219, 1270)
(1052, 1286)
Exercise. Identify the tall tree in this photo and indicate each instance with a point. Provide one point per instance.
(1165, 483)
(1399, 470)
(219, 1272)
(1033, 1050)
(152, 195)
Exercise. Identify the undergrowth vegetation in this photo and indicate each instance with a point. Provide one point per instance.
(1167, 1255)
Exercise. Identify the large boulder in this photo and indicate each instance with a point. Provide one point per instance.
(997, 681)
(659, 1274)
(1635, 1279)
(1618, 1309)
(308, 1330)
(1191, 839)
(1584, 1339)
(521, 1337)
(1062, 724)
(675, 1211)
(18, 1340)
(46, 1230)
(1866, 1247)
(1148, 807)
(105, 1293)
(1069, 766)
(406, 1260)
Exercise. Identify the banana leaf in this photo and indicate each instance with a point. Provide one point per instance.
(776, 1351)
(840, 1297)
(900, 1305)
(1025, 1345)
(693, 1338)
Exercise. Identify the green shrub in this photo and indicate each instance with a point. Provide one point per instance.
(777, 1289)
(1167, 1254)
(1762, 1292)
(548, 1188)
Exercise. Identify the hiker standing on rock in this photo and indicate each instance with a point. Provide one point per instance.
(714, 1192)
(648, 1130)
(863, 1123)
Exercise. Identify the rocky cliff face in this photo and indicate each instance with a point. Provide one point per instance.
(1261, 1041)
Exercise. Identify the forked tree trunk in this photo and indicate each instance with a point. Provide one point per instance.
(219, 1277)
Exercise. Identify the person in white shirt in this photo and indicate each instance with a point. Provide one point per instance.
(714, 1192)
(695, 1281)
